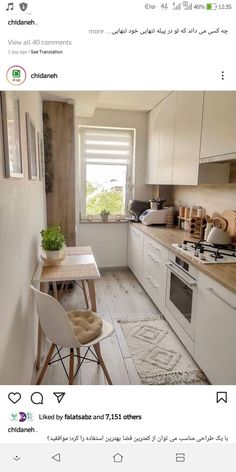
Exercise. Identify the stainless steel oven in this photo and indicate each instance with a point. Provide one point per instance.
(181, 296)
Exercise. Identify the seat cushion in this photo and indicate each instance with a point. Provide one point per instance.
(87, 325)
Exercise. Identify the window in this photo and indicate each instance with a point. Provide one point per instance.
(106, 157)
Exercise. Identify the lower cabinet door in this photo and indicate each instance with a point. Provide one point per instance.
(154, 273)
(215, 343)
(135, 251)
(154, 290)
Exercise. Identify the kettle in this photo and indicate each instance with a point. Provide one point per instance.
(218, 236)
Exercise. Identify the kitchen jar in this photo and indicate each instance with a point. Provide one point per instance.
(153, 204)
(193, 211)
(186, 213)
(201, 212)
(181, 211)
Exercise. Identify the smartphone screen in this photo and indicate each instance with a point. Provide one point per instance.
(117, 235)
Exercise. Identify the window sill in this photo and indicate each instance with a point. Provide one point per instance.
(110, 221)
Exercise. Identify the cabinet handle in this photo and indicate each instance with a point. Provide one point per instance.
(154, 247)
(221, 298)
(151, 282)
(153, 259)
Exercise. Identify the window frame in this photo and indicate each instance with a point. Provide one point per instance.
(129, 186)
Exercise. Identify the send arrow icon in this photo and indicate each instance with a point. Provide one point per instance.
(59, 396)
(57, 457)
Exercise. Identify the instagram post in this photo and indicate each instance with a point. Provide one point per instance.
(117, 236)
(118, 258)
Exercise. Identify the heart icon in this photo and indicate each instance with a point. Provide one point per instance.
(14, 397)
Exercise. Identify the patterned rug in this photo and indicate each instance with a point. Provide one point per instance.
(159, 356)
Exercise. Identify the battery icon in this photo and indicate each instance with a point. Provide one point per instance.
(211, 6)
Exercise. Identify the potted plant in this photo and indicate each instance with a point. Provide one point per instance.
(104, 215)
(53, 242)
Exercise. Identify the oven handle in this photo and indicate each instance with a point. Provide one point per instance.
(190, 283)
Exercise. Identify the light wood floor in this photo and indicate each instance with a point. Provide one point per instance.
(119, 295)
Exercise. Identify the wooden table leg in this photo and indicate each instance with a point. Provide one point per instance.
(85, 294)
(55, 292)
(92, 294)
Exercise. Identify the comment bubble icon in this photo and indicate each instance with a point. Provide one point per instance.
(37, 398)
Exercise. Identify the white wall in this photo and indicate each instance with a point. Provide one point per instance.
(110, 246)
(215, 198)
(108, 242)
(22, 216)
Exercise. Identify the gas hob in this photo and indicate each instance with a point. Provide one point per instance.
(206, 253)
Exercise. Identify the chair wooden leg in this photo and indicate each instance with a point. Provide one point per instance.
(99, 355)
(85, 294)
(78, 354)
(39, 347)
(71, 368)
(45, 365)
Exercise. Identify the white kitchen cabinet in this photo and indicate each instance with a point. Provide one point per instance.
(218, 127)
(215, 343)
(135, 251)
(188, 122)
(154, 271)
(160, 142)
(178, 136)
(153, 144)
(166, 142)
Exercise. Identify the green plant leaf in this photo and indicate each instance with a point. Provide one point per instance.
(52, 238)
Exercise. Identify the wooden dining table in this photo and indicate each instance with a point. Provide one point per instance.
(78, 265)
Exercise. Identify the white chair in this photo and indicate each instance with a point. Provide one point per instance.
(59, 331)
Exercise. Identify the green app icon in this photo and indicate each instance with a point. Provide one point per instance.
(16, 73)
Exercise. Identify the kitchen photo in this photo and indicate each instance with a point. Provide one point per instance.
(118, 238)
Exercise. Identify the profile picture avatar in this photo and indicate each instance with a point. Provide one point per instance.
(16, 75)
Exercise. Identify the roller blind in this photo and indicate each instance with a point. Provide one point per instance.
(106, 145)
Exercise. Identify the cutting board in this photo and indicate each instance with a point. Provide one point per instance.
(230, 216)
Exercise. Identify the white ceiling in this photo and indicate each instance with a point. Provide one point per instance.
(87, 102)
(138, 101)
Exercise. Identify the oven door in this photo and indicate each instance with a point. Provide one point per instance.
(181, 297)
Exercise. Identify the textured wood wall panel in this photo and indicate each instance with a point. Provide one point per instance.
(61, 202)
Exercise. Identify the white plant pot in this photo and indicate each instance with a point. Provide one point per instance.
(55, 255)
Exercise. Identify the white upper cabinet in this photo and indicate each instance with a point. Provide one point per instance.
(219, 126)
(185, 127)
(166, 146)
(153, 145)
(187, 138)
(160, 142)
